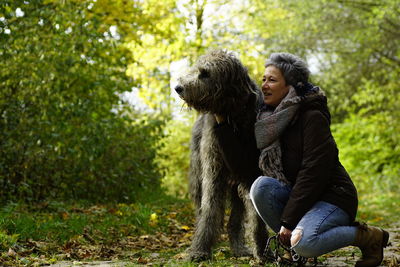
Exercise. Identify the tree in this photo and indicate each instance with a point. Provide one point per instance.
(353, 48)
(355, 45)
(65, 132)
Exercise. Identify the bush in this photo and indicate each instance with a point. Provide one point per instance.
(174, 156)
(370, 152)
(64, 131)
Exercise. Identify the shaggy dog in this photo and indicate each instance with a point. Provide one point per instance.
(220, 84)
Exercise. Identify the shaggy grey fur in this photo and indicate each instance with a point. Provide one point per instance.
(220, 84)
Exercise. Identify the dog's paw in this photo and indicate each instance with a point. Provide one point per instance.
(198, 256)
(242, 252)
(256, 262)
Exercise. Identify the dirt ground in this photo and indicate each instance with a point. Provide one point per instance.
(392, 258)
(343, 257)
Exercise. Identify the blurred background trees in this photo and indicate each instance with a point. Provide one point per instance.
(86, 105)
(65, 131)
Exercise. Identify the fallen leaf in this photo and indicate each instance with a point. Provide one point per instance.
(154, 255)
(166, 240)
(172, 215)
(144, 237)
(142, 260)
(11, 252)
(185, 227)
(64, 215)
(180, 256)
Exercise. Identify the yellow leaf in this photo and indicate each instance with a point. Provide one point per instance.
(185, 227)
(153, 219)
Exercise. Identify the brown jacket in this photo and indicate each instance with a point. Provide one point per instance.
(310, 162)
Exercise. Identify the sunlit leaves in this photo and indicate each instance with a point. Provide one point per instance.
(353, 47)
(369, 149)
(157, 45)
(65, 64)
(174, 156)
(65, 130)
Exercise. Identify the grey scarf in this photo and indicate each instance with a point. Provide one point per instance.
(271, 124)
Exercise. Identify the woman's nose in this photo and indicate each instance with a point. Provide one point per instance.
(264, 85)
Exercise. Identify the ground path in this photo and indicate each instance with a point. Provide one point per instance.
(343, 257)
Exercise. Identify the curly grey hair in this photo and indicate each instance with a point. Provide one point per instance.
(293, 68)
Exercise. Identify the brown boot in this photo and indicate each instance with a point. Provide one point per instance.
(371, 241)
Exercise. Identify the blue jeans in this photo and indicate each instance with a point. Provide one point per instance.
(324, 228)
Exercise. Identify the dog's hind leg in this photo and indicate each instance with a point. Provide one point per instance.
(258, 230)
(236, 231)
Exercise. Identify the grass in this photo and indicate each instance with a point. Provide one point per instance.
(61, 230)
(156, 231)
(379, 209)
(63, 221)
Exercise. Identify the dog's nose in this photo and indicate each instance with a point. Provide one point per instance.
(179, 89)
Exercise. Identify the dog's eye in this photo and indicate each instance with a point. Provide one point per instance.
(203, 73)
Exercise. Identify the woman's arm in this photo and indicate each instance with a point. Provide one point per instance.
(319, 152)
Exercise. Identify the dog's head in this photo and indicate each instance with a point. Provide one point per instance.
(217, 83)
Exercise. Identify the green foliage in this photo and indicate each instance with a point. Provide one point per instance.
(382, 209)
(62, 222)
(369, 149)
(6, 240)
(352, 42)
(64, 130)
(153, 52)
(174, 156)
(353, 51)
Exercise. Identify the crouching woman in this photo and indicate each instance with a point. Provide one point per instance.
(306, 194)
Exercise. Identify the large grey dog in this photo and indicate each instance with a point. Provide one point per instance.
(219, 84)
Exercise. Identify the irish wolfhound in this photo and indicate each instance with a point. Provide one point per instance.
(220, 84)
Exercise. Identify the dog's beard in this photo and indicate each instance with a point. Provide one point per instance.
(202, 104)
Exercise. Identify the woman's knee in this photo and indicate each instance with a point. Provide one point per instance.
(303, 246)
(297, 234)
(260, 187)
(254, 189)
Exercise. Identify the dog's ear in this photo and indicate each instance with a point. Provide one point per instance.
(204, 73)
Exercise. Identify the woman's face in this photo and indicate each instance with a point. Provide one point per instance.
(273, 86)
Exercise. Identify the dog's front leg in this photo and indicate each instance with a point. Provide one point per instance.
(210, 221)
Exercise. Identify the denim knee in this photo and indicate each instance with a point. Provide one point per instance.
(304, 245)
(269, 197)
(259, 187)
(255, 190)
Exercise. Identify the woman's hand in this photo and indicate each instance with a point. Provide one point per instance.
(284, 236)
(219, 118)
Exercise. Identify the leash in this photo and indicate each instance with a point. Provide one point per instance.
(278, 253)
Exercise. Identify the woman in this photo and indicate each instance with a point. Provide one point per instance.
(306, 194)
